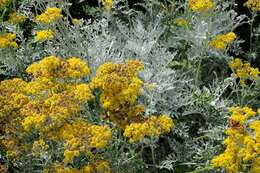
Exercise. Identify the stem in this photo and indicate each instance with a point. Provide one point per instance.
(197, 76)
(198, 72)
(251, 31)
(153, 156)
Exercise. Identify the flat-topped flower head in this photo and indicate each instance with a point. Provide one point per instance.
(120, 87)
(244, 71)
(108, 4)
(221, 41)
(253, 5)
(3, 3)
(7, 40)
(201, 5)
(44, 35)
(51, 15)
(55, 67)
(154, 126)
(16, 18)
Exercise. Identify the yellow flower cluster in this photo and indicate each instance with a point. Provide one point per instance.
(120, 86)
(80, 137)
(242, 148)
(7, 40)
(201, 5)
(12, 99)
(254, 5)
(100, 136)
(76, 21)
(108, 4)
(47, 104)
(44, 35)
(4, 3)
(16, 18)
(221, 41)
(54, 67)
(243, 70)
(154, 126)
(51, 15)
(3, 168)
(100, 166)
(181, 22)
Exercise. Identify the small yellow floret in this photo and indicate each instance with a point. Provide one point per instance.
(51, 15)
(44, 35)
(201, 5)
(7, 40)
(254, 5)
(16, 18)
(221, 41)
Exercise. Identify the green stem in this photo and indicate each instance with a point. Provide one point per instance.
(197, 76)
(153, 156)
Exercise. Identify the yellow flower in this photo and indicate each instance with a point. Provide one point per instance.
(69, 155)
(221, 41)
(47, 67)
(136, 131)
(76, 21)
(4, 3)
(201, 5)
(242, 148)
(120, 87)
(35, 121)
(165, 123)
(236, 64)
(100, 136)
(108, 4)
(44, 35)
(77, 68)
(254, 5)
(7, 40)
(154, 126)
(83, 92)
(102, 166)
(16, 18)
(88, 169)
(182, 22)
(51, 15)
(243, 70)
(3, 168)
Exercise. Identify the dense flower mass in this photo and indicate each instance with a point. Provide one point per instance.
(154, 126)
(7, 40)
(243, 70)
(44, 35)
(221, 41)
(49, 105)
(254, 5)
(16, 18)
(201, 5)
(51, 15)
(54, 67)
(120, 86)
(242, 147)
